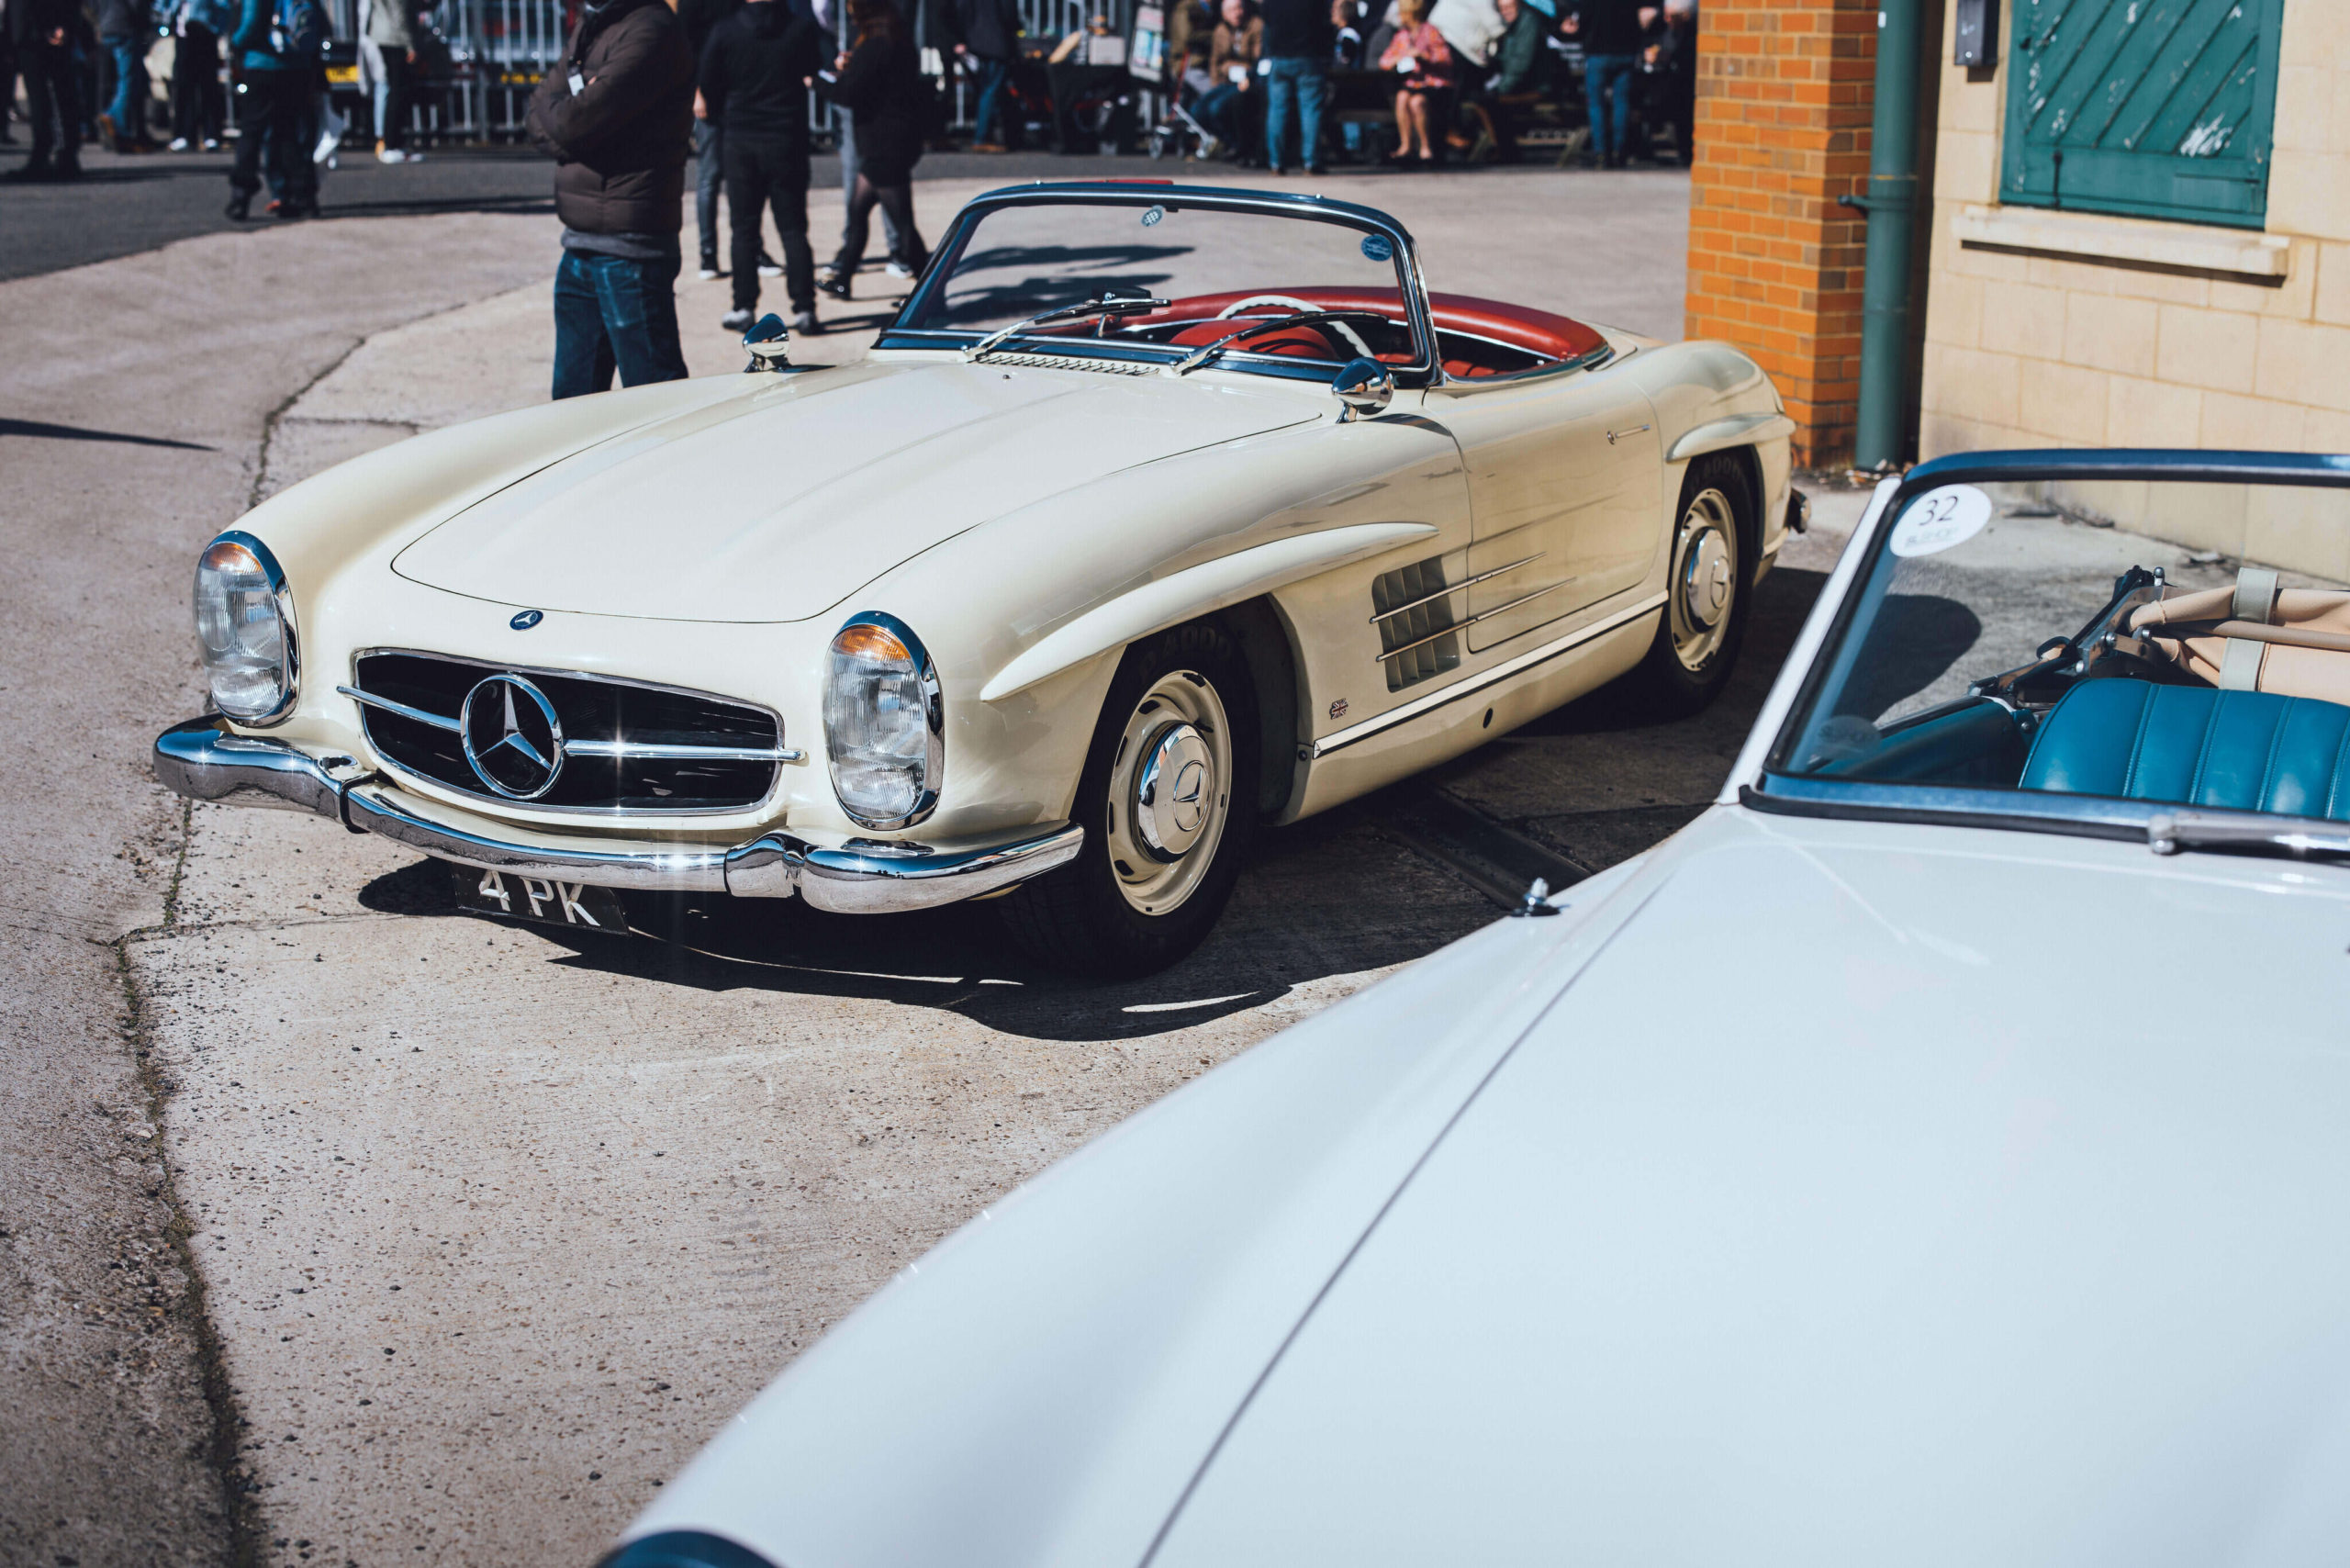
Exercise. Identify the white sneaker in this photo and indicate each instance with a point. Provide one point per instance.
(390, 155)
(710, 275)
(737, 321)
(212, 144)
(805, 323)
(899, 269)
(179, 143)
(768, 269)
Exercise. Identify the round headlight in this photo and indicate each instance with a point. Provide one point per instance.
(244, 623)
(884, 723)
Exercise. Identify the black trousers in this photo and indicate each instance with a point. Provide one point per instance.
(392, 124)
(198, 109)
(764, 172)
(277, 122)
(54, 95)
(897, 202)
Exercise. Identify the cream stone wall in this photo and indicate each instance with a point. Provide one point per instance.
(2073, 329)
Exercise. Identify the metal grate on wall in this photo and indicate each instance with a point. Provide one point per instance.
(1413, 607)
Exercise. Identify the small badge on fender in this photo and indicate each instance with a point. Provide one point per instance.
(1338, 708)
(524, 619)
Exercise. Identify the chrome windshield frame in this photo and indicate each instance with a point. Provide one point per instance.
(1425, 369)
(1758, 783)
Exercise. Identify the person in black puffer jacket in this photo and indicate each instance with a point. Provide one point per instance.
(755, 72)
(879, 82)
(615, 111)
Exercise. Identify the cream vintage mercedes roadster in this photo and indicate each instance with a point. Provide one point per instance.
(1156, 514)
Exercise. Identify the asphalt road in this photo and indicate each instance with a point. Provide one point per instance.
(126, 205)
(339, 1226)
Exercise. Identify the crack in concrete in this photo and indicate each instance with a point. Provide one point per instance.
(221, 1451)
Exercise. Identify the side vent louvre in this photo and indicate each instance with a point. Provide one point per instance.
(1414, 608)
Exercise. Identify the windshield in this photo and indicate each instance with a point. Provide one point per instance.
(2089, 648)
(1219, 270)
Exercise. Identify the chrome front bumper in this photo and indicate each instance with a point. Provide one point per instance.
(203, 761)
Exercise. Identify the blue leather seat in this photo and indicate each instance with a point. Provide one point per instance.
(2192, 745)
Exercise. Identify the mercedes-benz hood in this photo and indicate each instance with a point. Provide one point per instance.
(1821, 1193)
(781, 505)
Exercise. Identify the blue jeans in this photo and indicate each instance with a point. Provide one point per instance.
(1607, 85)
(612, 313)
(1309, 81)
(130, 106)
(995, 90)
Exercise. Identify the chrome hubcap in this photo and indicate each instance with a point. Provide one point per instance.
(1169, 792)
(1704, 580)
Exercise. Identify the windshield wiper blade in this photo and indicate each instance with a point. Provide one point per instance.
(1207, 352)
(2292, 838)
(1108, 305)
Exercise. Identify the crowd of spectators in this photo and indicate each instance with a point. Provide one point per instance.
(1446, 79)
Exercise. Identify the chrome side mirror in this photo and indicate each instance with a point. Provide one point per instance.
(770, 344)
(1364, 388)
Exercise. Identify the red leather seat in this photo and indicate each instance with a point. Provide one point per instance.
(1542, 333)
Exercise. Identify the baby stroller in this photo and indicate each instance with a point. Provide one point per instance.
(1178, 134)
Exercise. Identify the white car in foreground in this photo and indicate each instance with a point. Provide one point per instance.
(1940, 1152)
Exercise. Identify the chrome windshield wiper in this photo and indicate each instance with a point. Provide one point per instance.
(1207, 352)
(1107, 306)
(2291, 838)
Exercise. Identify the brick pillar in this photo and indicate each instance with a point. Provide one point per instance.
(1784, 91)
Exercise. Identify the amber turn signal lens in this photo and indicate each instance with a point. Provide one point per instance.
(865, 641)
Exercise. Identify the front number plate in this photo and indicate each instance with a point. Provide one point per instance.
(539, 899)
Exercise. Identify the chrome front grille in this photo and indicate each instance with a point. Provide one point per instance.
(1413, 614)
(624, 746)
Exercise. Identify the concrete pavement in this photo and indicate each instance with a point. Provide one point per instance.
(447, 1241)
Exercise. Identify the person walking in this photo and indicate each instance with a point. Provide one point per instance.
(277, 69)
(986, 39)
(198, 108)
(388, 48)
(701, 19)
(879, 82)
(614, 112)
(123, 29)
(755, 72)
(41, 31)
(1612, 37)
(1299, 42)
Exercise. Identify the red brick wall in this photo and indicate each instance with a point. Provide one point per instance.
(1783, 93)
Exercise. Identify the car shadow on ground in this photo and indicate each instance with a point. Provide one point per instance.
(1327, 897)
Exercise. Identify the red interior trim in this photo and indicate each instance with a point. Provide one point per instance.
(1539, 332)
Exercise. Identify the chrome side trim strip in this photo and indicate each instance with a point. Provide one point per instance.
(1480, 615)
(1472, 685)
(437, 721)
(1442, 592)
(203, 761)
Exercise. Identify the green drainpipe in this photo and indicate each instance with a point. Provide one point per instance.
(1892, 206)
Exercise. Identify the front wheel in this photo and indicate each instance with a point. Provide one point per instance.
(1707, 593)
(1167, 802)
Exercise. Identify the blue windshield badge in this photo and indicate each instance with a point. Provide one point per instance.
(1379, 247)
(1151, 218)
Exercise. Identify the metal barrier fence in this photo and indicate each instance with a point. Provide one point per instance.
(498, 50)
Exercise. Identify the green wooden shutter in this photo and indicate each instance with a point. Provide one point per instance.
(2156, 108)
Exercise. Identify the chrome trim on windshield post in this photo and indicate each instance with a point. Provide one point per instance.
(2299, 837)
(202, 760)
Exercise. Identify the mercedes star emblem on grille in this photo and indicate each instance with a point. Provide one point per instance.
(511, 737)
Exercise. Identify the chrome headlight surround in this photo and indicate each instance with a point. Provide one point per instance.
(884, 722)
(239, 590)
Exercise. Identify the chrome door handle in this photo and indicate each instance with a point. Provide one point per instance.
(1614, 436)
